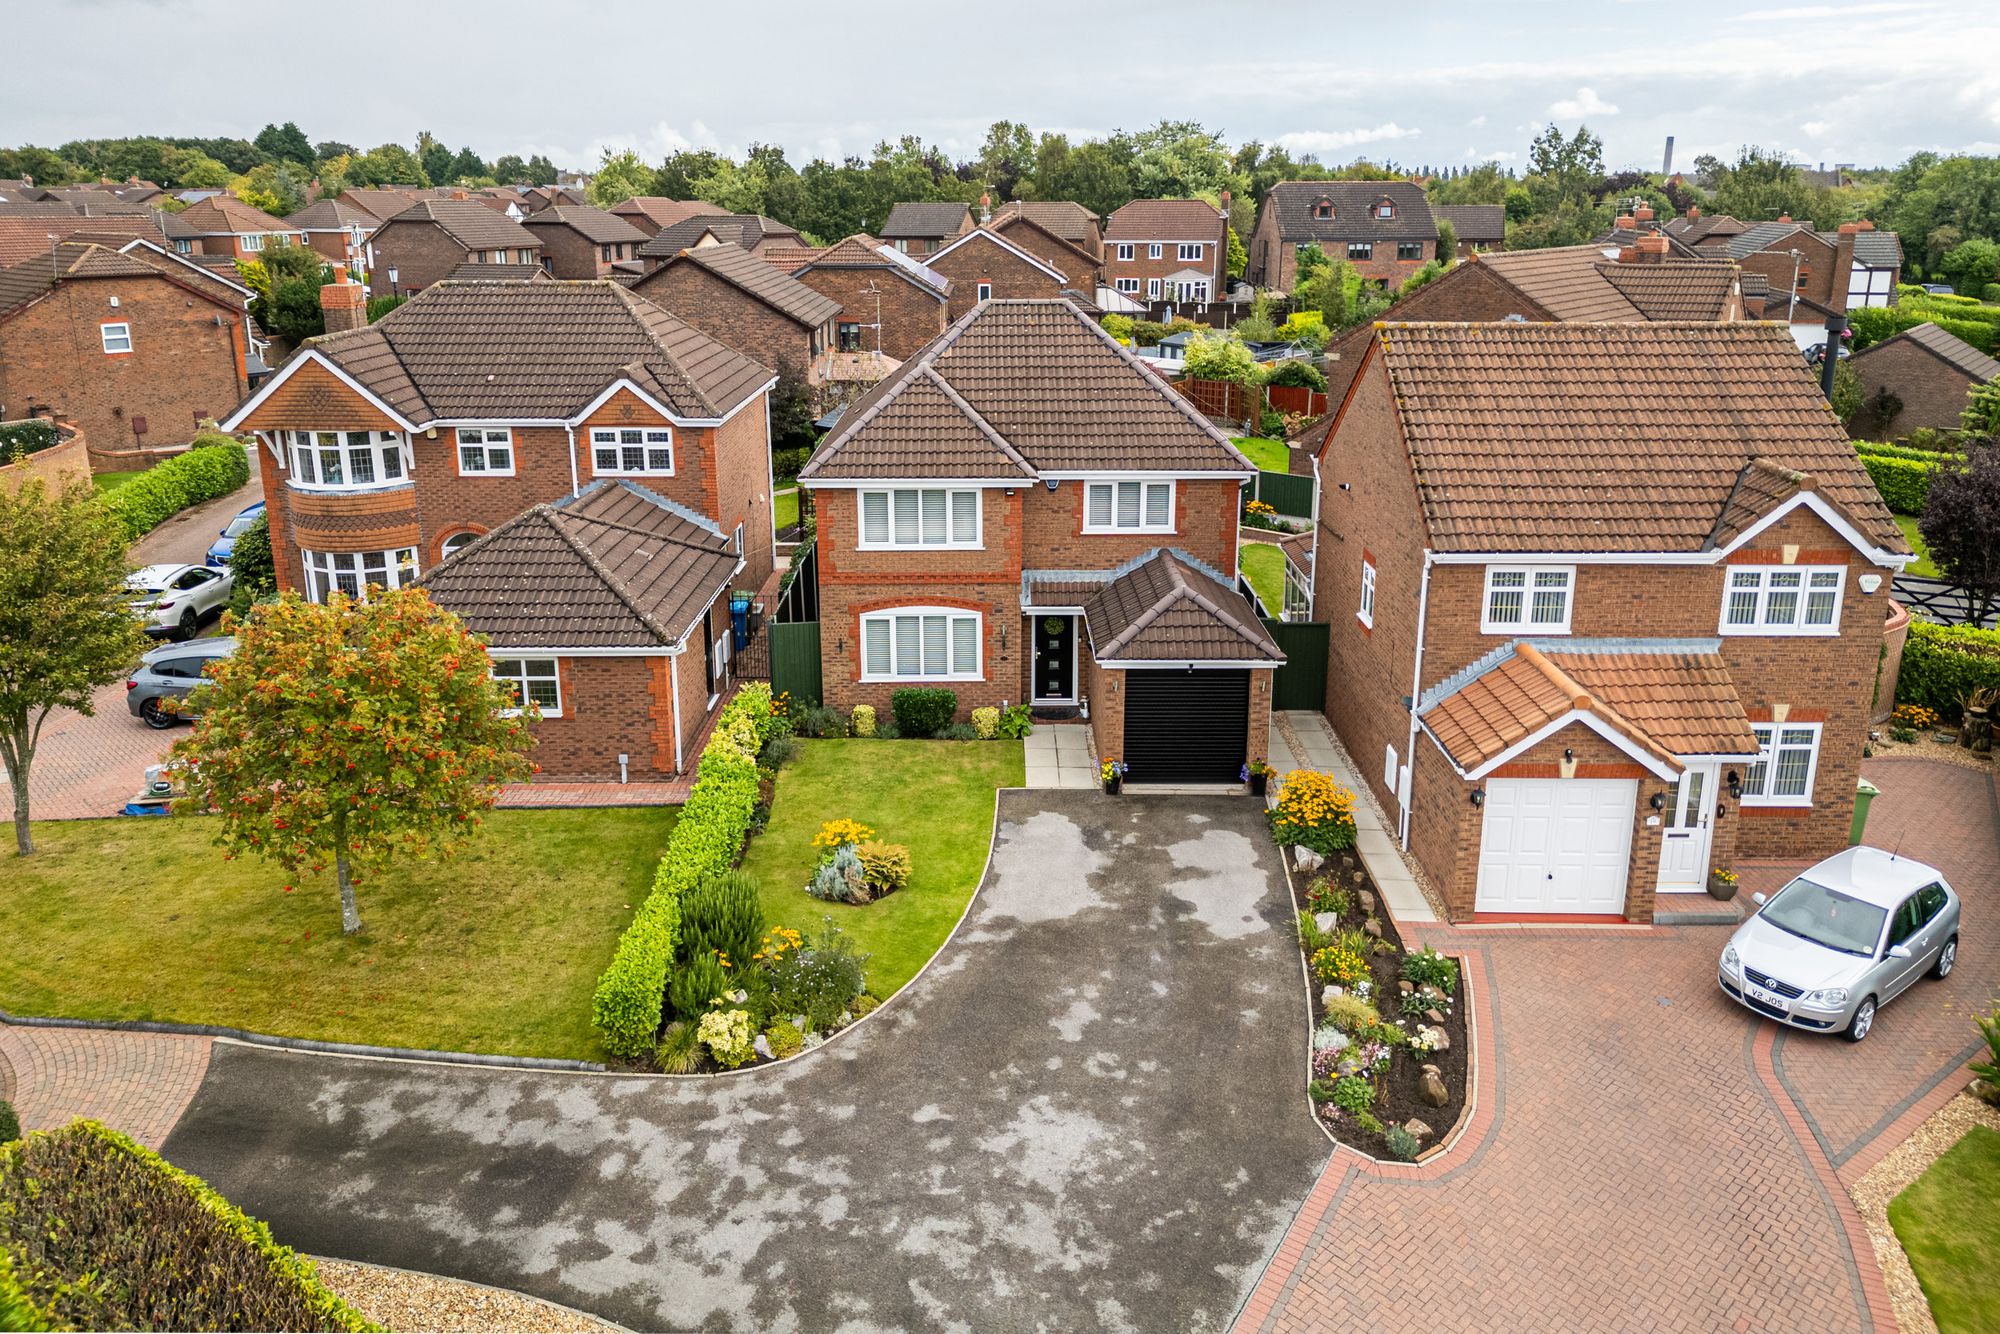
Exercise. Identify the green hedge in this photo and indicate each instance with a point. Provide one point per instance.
(627, 1006)
(1872, 324)
(1887, 450)
(1990, 292)
(1943, 662)
(1904, 483)
(97, 1232)
(213, 467)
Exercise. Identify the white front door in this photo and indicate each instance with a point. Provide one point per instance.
(1555, 845)
(1688, 830)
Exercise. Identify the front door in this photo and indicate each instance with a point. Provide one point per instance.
(1055, 659)
(1689, 831)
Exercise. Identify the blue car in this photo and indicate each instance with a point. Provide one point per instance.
(218, 554)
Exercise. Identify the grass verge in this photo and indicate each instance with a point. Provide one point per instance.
(107, 482)
(1264, 566)
(1950, 1229)
(1268, 454)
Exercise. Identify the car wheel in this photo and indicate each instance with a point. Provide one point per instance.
(1947, 959)
(156, 717)
(190, 623)
(1864, 1020)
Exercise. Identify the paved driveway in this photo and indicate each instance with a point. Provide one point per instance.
(1085, 1114)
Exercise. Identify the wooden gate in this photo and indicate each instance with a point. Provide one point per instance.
(795, 660)
(1301, 682)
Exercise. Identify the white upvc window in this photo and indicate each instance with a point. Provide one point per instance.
(353, 572)
(1531, 598)
(632, 451)
(1782, 774)
(485, 451)
(184, 245)
(1783, 599)
(986, 291)
(1154, 249)
(921, 644)
(1192, 251)
(345, 460)
(1366, 613)
(117, 337)
(533, 681)
(1128, 507)
(1129, 285)
(920, 517)
(1125, 250)
(252, 241)
(1152, 289)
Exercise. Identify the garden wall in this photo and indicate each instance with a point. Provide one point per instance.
(68, 459)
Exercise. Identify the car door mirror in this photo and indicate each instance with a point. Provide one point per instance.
(1759, 899)
(1899, 951)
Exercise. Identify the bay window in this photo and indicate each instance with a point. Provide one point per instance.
(632, 450)
(352, 572)
(920, 644)
(1783, 600)
(1782, 774)
(920, 517)
(485, 451)
(1128, 507)
(531, 681)
(1527, 598)
(345, 460)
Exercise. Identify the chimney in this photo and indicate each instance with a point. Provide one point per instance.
(1225, 201)
(1623, 222)
(1643, 214)
(1694, 211)
(344, 302)
(985, 209)
(458, 194)
(1784, 217)
(1650, 248)
(1843, 265)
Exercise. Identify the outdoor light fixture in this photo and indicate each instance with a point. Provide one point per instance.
(1003, 639)
(1478, 797)
(1735, 786)
(1659, 801)
(1569, 756)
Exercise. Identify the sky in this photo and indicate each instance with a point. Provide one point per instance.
(1437, 83)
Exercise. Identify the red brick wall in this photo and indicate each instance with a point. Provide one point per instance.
(571, 253)
(1815, 272)
(983, 260)
(1205, 514)
(421, 253)
(1933, 392)
(736, 319)
(182, 366)
(910, 318)
(1081, 270)
(739, 452)
(55, 467)
(1214, 261)
(1273, 261)
(607, 705)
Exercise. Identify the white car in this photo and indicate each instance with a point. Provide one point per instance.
(173, 600)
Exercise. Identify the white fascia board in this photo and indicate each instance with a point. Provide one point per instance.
(313, 356)
(1647, 760)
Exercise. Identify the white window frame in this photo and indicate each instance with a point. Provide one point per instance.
(456, 543)
(1152, 289)
(1763, 596)
(887, 507)
(1192, 252)
(380, 446)
(487, 441)
(1526, 624)
(521, 678)
(1385, 209)
(1366, 250)
(893, 618)
(1146, 486)
(985, 291)
(613, 437)
(1154, 249)
(1126, 251)
(1129, 286)
(1365, 613)
(184, 245)
(252, 241)
(397, 567)
(111, 340)
(1776, 739)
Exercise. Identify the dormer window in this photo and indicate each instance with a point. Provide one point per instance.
(1323, 210)
(1385, 209)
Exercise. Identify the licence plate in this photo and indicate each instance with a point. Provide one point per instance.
(1768, 997)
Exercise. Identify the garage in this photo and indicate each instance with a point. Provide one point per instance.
(1556, 845)
(1185, 726)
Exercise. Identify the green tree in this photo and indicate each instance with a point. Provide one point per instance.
(386, 164)
(276, 187)
(1007, 159)
(1981, 418)
(331, 148)
(1483, 184)
(286, 143)
(510, 170)
(467, 166)
(1097, 174)
(1447, 251)
(1971, 265)
(791, 410)
(676, 177)
(1220, 357)
(191, 169)
(1565, 170)
(541, 171)
(64, 626)
(1239, 258)
(350, 731)
(1961, 526)
(254, 569)
(618, 177)
(1848, 395)
(1177, 159)
(285, 282)
(43, 165)
(1765, 185)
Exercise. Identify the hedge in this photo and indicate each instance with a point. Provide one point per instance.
(1872, 324)
(627, 1006)
(213, 467)
(97, 1232)
(27, 437)
(1893, 451)
(1904, 483)
(1943, 662)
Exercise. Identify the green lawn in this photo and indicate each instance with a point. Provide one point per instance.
(1922, 564)
(1950, 1228)
(935, 797)
(497, 950)
(107, 482)
(1264, 566)
(785, 507)
(1268, 454)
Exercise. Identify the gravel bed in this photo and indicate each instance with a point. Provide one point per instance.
(399, 1299)
(1927, 747)
(1886, 1180)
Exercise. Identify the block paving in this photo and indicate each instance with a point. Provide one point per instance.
(139, 1083)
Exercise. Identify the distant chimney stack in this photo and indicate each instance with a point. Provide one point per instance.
(1694, 211)
(343, 302)
(459, 194)
(1643, 213)
(1650, 248)
(1784, 217)
(1623, 222)
(1225, 201)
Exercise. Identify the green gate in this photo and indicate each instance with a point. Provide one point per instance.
(1301, 682)
(795, 659)
(1285, 493)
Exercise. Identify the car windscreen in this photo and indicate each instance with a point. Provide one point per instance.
(241, 524)
(1826, 917)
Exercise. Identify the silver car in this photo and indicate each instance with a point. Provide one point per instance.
(1845, 938)
(164, 677)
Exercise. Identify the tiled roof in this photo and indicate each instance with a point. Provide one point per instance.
(1873, 247)
(742, 229)
(789, 259)
(1037, 382)
(1609, 437)
(1948, 348)
(227, 215)
(1877, 249)
(95, 202)
(1692, 230)
(1353, 211)
(862, 251)
(663, 212)
(1762, 236)
(593, 224)
(72, 260)
(909, 221)
(1474, 222)
(1754, 284)
(330, 215)
(536, 350)
(1675, 289)
(24, 237)
(1066, 218)
(1563, 280)
(1076, 260)
(741, 269)
(1165, 220)
(385, 203)
(470, 223)
(497, 273)
(616, 566)
(1165, 606)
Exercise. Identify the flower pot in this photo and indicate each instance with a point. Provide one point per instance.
(1718, 888)
(1259, 784)
(1113, 786)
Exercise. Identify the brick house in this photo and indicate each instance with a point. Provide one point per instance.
(133, 345)
(1023, 513)
(1582, 648)
(1168, 250)
(1383, 228)
(749, 232)
(338, 231)
(579, 241)
(383, 202)
(742, 302)
(1857, 265)
(392, 446)
(1478, 226)
(1705, 232)
(651, 213)
(225, 225)
(1928, 371)
(1079, 266)
(426, 241)
(1065, 218)
(920, 230)
(983, 265)
(889, 303)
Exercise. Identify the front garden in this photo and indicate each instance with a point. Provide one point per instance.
(1949, 1228)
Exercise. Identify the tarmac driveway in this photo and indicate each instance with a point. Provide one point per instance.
(1085, 1113)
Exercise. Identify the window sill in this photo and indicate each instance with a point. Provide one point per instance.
(491, 472)
(365, 489)
(1778, 632)
(540, 714)
(1524, 631)
(1752, 806)
(657, 472)
(920, 547)
(868, 680)
(1129, 532)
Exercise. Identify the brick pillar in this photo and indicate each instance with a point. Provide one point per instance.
(1843, 266)
(344, 302)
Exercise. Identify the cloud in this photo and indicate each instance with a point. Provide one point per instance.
(1814, 128)
(1333, 141)
(1474, 155)
(1797, 12)
(1585, 103)
(1478, 122)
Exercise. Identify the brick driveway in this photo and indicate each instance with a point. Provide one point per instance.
(1647, 1155)
(139, 1083)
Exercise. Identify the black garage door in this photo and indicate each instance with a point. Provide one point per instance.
(1186, 727)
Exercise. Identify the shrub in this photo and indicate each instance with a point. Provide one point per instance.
(1426, 967)
(1320, 1091)
(1872, 324)
(986, 723)
(819, 981)
(378, 306)
(1325, 896)
(784, 1039)
(1914, 717)
(1916, 448)
(1311, 939)
(1904, 483)
(1401, 1143)
(99, 1233)
(885, 866)
(1313, 811)
(1016, 722)
(835, 833)
(1271, 423)
(816, 720)
(10, 1124)
(1352, 1093)
(1148, 333)
(214, 465)
(840, 878)
(923, 710)
(1990, 292)
(1987, 1085)
(1352, 1015)
(679, 1052)
(1336, 965)
(723, 916)
(1368, 1121)
(785, 463)
(1118, 326)
(863, 1004)
(862, 721)
(695, 983)
(958, 732)
(728, 1036)
(27, 437)
(1296, 373)
(1941, 663)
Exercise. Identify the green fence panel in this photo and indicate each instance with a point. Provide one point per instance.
(1285, 493)
(1301, 682)
(795, 660)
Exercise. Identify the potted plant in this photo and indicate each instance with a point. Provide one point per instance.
(1113, 774)
(1721, 884)
(1258, 775)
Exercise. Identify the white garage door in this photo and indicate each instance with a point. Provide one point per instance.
(1553, 845)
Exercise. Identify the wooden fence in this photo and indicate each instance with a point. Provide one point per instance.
(1285, 493)
(1296, 399)
(1226, 401)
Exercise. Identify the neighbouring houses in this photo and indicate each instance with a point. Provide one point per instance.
(919, 230)
(131, 343)
(890, 304)
(1080, 266)
(1605, 604)
(984, 265)
(1065, 217)
(650, 213)
(579, 241)
(425, 242)
(749, 232)
(25, 229)
(1479, 226)
(1814, 274)
(1705, 232)
(384, 202)
(1022, 513)
(1168, 250)
(1919, 378)
(744, 303)
(1383, 228)
(225, 225)
(338, 231)
(623, 435)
